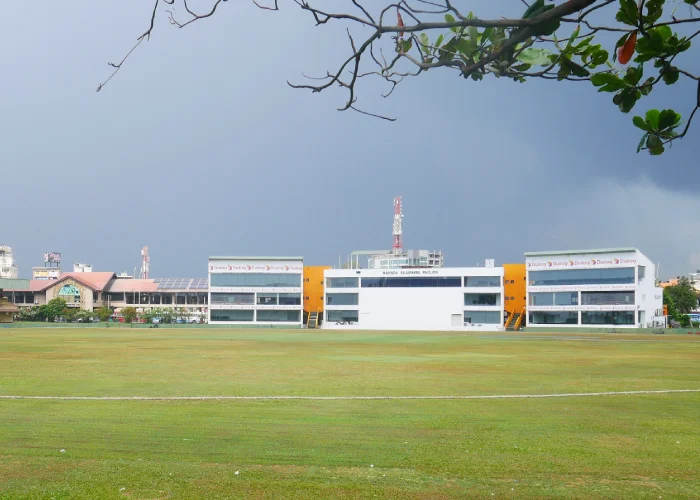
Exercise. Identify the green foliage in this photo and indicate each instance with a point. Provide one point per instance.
(54, 309)
(682, 296)
(129, 314)
(103, 313)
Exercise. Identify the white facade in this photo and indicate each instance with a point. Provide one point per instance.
(592, 288)
(445, 299)
(256, 291)
(8, 267)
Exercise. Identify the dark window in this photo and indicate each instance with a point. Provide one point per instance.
(282, 316)
(342, 299)
(412, 282)
(607, 298)
(232, 298)
(607, 318)
(267, 299)
(337, 316)
(217, 315)
(278, 280)
(482, 299)
(342, 283)
(621, 276)
(482, 281)
(290, 299)
(166, 298)
(553, 318)
(482, 317)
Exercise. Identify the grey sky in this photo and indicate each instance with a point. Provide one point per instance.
(198, 148)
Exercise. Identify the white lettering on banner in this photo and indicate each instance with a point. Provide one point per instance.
(412, 272)
(582, 308)
(228, 289)
(581, 262)
(255, 268)
(248, 307)
(583, 288)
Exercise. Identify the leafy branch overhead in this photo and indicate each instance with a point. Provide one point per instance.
(565, 40)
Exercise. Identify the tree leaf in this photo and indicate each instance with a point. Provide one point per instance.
(652, 119)
(671, 75)
(641, 143)
(668, 118)
(639, 122)
(536, 57)
(600, 79)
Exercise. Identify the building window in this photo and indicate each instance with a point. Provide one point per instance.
(566, 299)
(507, 298)
(554, 299)
(622, 276)
(342, 299)
(512, 298)
(482, 299)
(167, 298)
(342, 283)
(217, 315)
(290, 299)
(553, 318)
(412, 282)
(232, 298)
(482, 317)
(306, 298)
(607, 318)
(641, 272)
(272, 315)
(267, 299)
(254, 280)
(344, 316)
(607, 298)
(482, 281)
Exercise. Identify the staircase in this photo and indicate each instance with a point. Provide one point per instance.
(313, 320)
(512, 321)
(515, 321)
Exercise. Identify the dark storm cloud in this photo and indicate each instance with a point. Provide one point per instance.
(198, 147)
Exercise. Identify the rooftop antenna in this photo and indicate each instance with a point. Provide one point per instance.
(397, 247)
(145, 263)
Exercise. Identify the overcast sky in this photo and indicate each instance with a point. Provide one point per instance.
(198, 147)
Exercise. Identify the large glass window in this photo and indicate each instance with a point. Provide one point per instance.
(482, 299)
(412, 282)
(167, 298)
(607, 318)
(232, 298)
(342, 283)
(267, 299)
(621, 276)
(553, 318)
(542, 299)
(342, 299)
(278, 280)
(114, 297)
(290, 299)
(482, 281)
(566, 299)
(338, 316)
(282, 316)
(217, 315)
(607, 298)
(483, 317)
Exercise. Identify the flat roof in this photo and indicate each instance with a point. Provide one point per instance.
(579, 252)
(370, 252)
(231, 257)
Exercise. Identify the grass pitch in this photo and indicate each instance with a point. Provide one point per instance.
(637, 446)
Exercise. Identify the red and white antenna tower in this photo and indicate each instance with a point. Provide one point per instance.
(397, 247)
(145, 263)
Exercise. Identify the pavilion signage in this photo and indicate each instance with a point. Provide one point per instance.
(579, 261)
(255, 267)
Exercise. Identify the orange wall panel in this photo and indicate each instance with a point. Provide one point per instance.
(313, 288)
(514, 287)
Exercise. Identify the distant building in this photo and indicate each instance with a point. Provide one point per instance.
(256, 291)
(612, 287)
(385, 259)
(8, 266)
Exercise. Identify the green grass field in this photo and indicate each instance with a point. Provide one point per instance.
(631, 446)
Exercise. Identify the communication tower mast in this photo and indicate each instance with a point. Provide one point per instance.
(397, 247)
(145, 262)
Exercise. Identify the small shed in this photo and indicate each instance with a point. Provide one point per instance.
(7, 310)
